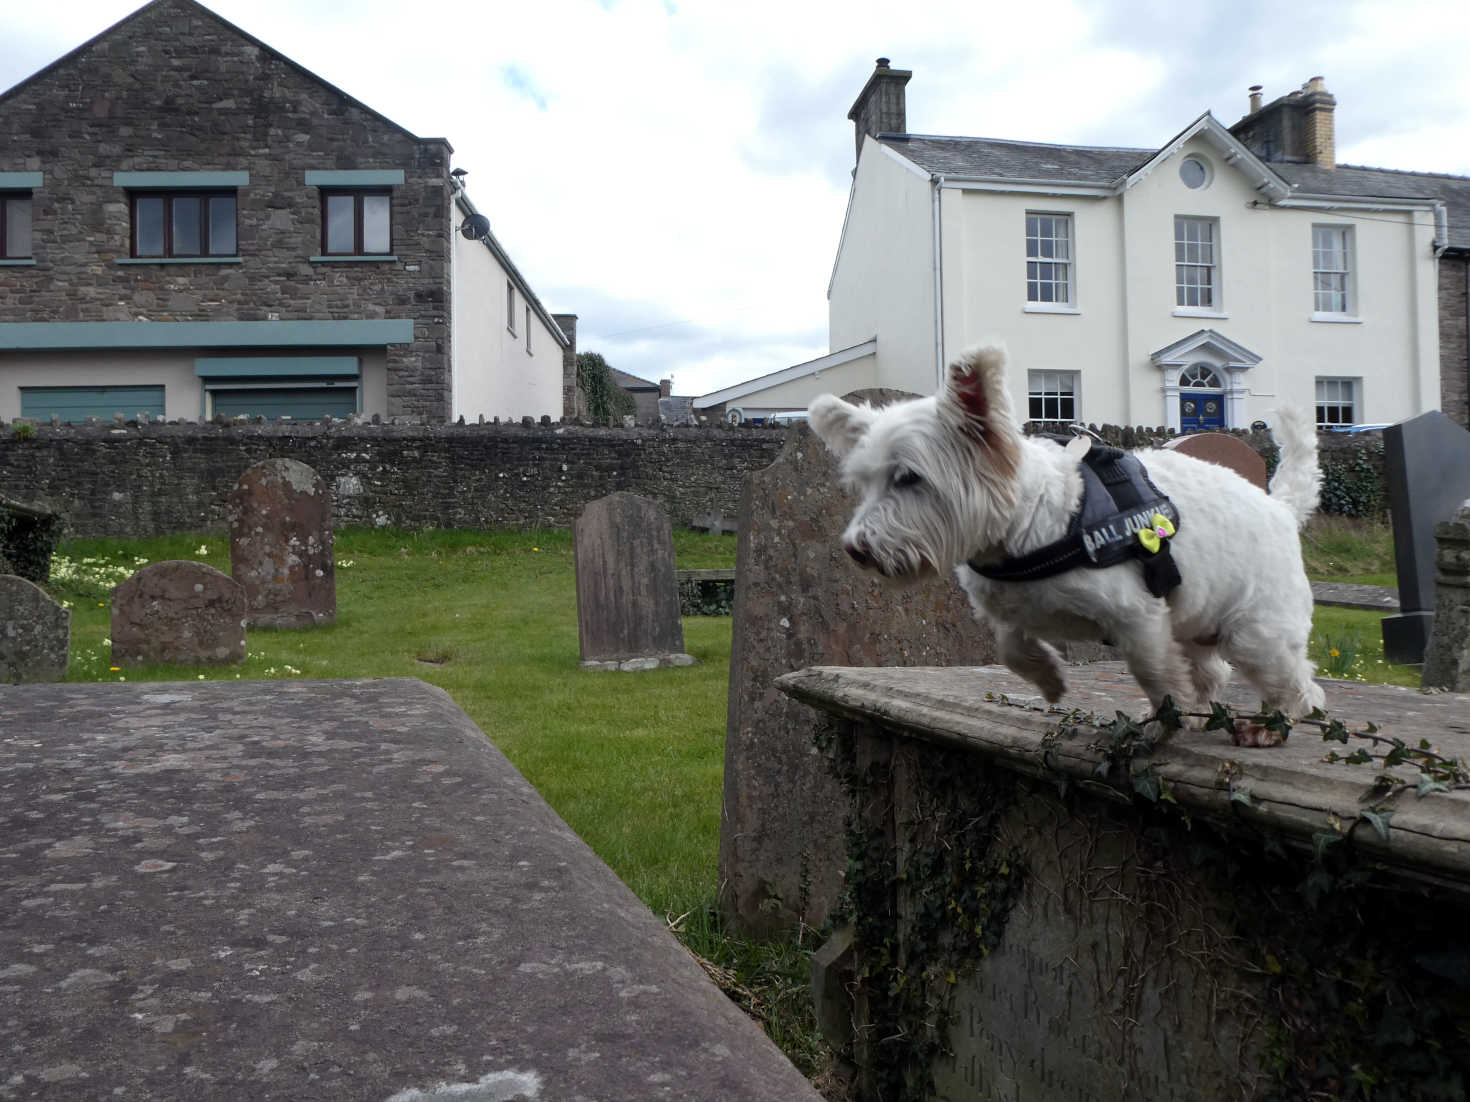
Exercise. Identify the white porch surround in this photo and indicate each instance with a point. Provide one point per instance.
(1221, 353)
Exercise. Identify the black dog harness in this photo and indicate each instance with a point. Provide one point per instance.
(1122, 516)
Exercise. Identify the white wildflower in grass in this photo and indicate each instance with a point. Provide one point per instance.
(343, 564)
(202, 549)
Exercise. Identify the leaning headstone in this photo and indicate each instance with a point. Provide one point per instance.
(1223, 450)
(799, 601)
(627, 596)
(35, 633)
(280, 515)
(1426, 470)
(1447, 661)
(180, 612)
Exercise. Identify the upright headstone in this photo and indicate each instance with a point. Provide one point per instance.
(35, 633)
(1223, 450)
(178, 611)
(1447, 661)
(280, 514)
(627, 595)
(29, 533)
(799, 601)
(1426, 470)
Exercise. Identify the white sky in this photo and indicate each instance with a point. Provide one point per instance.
(676, 173)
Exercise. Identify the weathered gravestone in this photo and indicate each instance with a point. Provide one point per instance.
(1447, 661)
(1034, 922)
(178, 611)
(1426, 470)
(35, 632)
(799, 601)
(1223, 450)
(627, 596)
(280, 515)
(29, 533)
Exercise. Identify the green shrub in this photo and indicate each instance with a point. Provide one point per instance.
(606, 401)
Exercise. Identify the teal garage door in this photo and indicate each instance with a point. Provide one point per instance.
(297, 403)
(77, 403)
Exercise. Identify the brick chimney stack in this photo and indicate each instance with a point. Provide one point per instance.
(1297, 127)
(879, 108)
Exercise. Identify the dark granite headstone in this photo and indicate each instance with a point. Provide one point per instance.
(280, 515)
(35, 632)
(800, 601)
(627, 595)
(1223, 450)
(1426, 469)
(1447, 661)
(178, 611)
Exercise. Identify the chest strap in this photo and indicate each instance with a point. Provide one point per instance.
(1117, 519)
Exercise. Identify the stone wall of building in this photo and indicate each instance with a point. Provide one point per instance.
(151, 479)
(175, 88)
(1454, 338)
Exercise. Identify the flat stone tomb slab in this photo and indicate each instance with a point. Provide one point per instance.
(332, 890)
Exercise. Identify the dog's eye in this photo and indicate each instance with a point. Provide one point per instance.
(906, 479)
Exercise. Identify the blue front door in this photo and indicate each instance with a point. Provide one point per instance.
(1201, 411)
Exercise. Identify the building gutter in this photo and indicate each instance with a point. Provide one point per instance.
(936, 187)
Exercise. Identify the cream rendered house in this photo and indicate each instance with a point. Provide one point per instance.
(1202, 284)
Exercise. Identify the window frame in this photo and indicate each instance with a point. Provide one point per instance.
(169, 196)
(510, 306)
(1040, 388)
(1183, 264)
(8, 196)
(1323, 401)
(528, 329)
(359, 225)
(1347, 291)
(1035, 260)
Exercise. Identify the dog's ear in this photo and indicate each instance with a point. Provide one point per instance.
(976, 390)
(838, 424)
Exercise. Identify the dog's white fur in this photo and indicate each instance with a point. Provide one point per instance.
(950, 479)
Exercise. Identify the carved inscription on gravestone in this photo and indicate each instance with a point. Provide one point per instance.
(627, 594)
(800, 601)
(178, 611)
(1108, 982)
(35, 633)
(280, 515)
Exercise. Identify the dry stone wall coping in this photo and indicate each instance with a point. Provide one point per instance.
(326, 889)
(1293, 791)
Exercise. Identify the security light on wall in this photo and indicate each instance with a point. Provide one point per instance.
(475, 227)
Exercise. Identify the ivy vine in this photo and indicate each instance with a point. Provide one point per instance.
(607, 403)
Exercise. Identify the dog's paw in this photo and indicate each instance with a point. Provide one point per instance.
(1247, 733)
(1053, 688)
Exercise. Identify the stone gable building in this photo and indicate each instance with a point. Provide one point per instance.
(193, 225)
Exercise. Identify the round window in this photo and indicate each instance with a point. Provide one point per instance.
(1194, 172)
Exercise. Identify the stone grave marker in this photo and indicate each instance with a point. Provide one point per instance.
(627, 595)
(1447, 661)
(29, 533)
(35, 633)
(1223, 450)
(800, 601)
(280, 515)
(178, 611)
(1426, 470)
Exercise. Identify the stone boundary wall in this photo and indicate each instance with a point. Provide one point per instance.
(142, 480)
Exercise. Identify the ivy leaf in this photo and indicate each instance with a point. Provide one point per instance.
(1378, 820)
(1336, 732)
(1280, 725)
(1169, 716)
(1396, 756)
(1428, 784)
(1322, 840)
(1242, 795)
(1146, 784)
(1220, 718)
(1358, 757)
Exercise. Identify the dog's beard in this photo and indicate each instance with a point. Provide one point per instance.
(912, 539)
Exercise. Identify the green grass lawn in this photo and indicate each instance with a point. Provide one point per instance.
(631, 761)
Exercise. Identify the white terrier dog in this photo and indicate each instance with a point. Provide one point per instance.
(949, 482)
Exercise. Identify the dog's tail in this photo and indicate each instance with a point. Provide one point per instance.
(1297, 483)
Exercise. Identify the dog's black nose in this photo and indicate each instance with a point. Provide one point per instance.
(859, 552)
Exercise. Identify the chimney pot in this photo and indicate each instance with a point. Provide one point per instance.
(1255, 98)
(882, 63)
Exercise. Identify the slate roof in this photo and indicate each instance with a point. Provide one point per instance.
(1103, 166)
(631, 382)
